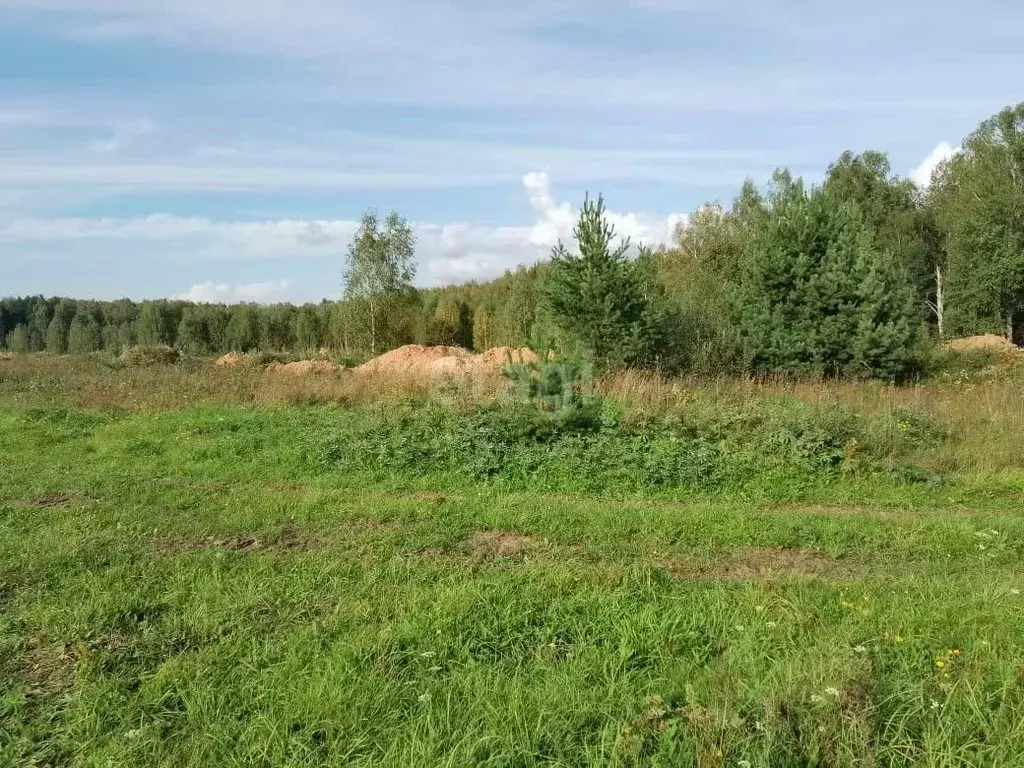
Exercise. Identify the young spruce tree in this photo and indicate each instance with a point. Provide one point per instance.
(599, 297)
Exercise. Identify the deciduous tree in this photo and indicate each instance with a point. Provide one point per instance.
(380, 270)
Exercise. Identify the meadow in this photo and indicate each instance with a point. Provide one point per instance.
(203, 566)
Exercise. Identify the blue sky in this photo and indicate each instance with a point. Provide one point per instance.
(223, 149)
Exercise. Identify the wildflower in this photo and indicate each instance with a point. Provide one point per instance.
(744, 764)
(771, 624)
(739, 627)
(424, 697)
(940, 663)
(832, 692)
(428, 654)
(860, 649)
(934, 704)
(816, 698)
(133, 734)
(1014, 592)
(758, 609)
(434, 669)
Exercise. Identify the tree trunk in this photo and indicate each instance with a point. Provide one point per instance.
(939, 307)
(1009, 326)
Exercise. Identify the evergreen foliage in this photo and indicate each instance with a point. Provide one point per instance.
(817, 297)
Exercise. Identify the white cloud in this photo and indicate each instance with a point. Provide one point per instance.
(225, 293)
(450, 252)
(922, 175)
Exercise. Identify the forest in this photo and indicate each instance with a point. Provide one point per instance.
(856, 276)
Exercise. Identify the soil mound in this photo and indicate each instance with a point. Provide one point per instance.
(303, 367)
(231, 358)
(412, 359)
(988, 342)
(446, 362)
(501, 356)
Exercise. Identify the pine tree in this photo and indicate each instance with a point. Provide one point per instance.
(817, 298)
(599, 297)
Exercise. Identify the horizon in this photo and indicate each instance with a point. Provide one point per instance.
(220, 153)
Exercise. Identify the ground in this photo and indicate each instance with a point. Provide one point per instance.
(196, 587)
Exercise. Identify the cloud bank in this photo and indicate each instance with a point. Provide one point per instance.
(448, 252)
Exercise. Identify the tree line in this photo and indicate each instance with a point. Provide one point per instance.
(851, 277)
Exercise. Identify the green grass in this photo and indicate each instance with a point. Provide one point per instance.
(415, 585)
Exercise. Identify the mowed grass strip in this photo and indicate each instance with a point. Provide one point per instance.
(169, 598)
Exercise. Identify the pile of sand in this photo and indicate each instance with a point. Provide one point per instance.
(989, 342)
(232, 359)
(303, 367)
(416, 360)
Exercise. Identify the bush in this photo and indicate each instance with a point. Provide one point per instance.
(772, 446)
(958, 364)
(150, 354)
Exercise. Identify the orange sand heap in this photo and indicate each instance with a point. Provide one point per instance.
(417, 360)
(231, 358)
(988, 342)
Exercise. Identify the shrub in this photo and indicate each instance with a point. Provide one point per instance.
(773, 446)
(150, 354)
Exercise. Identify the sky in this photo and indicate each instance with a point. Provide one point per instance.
(224, 150)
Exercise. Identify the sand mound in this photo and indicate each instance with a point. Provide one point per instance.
(501, 356)
(989, 342)
(303, 367)
(411, 359)
(231, 358)
(412, 356)
(446, 362)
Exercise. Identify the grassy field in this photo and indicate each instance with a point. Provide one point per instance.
(205, 568)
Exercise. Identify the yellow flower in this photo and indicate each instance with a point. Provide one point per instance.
(940, 663)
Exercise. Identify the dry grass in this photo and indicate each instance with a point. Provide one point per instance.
(984, 413)
(47, 381)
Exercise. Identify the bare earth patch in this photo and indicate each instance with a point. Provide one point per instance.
(289, 538)
(53, 500)
(766, 563)
(500, 544)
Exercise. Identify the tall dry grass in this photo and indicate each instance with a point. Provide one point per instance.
(984, 415)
